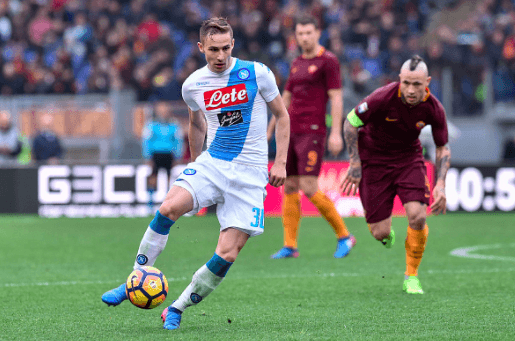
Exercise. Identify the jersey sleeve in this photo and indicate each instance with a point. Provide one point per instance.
(333, 79)
(187, 96)
(439, 126)
(266, 82)
(362, 113)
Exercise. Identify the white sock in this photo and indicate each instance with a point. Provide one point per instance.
(151, 246)
(202, 284)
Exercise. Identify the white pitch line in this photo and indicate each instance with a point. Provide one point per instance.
(467, 252)
(322, 275)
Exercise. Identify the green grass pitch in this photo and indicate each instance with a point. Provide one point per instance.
(54, 271)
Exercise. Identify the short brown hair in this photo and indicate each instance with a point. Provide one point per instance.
(306, 20)
(216, 25)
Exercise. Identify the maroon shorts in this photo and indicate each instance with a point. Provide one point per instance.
(380, 183)
(305, 154)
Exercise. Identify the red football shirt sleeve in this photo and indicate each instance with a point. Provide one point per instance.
(439, 126)
(367, 107)
(333, 79)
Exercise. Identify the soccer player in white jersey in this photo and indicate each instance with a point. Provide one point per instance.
(227, 99)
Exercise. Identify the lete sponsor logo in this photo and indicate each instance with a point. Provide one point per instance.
(226, 97)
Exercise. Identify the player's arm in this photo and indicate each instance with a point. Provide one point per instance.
(443, 163)
(271, 125)
(196, 133)
(335, 141)
(353, 176)
(282, 136)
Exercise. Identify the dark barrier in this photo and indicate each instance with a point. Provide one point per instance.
(19, 190)
(98, 191)
(480, 189)
(120, 190)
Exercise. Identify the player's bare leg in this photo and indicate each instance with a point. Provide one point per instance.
(208, 277)
(383, 232)
(291, 219)
(178, 201)
(309, 185)
(415, 245)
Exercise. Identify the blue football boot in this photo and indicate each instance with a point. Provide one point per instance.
(115, 296)
(171, 317)
(344, 246)
(285, 252)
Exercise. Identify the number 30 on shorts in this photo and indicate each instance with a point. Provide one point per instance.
(260, 218)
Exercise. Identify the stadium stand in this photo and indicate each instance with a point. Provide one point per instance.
(102, 47)
(93, 46)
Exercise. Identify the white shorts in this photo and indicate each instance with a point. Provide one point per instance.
(238, 190)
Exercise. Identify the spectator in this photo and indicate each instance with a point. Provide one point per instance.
(165, 87)
(10, 145)
(52, 46)
(13, 81)
(46, 147)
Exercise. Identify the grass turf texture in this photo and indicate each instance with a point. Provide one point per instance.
(55, 270)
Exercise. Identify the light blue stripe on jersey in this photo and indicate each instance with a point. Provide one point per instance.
(228, 141)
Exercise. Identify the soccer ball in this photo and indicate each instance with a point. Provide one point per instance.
(146, 287)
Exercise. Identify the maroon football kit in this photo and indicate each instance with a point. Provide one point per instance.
(390, 151)
(309, 81)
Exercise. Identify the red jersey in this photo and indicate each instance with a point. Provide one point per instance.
(391, 127)
(309, 81)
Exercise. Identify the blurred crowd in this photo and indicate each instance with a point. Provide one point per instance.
(93, 46)
(15, 148)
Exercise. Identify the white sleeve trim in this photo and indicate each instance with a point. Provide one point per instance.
(266, 82)
(186, 96)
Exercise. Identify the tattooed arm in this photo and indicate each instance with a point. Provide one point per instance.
(353, 176)
(443, 163)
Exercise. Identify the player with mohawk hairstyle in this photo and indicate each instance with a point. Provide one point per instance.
(386, 160)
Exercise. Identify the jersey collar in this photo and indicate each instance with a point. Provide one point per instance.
(319, 53)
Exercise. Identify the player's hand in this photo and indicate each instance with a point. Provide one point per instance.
(351, 180)
(277, 175)
(335, 144)
(440, 201)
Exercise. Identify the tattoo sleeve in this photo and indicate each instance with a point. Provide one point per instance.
(351, 139)
(443, 162)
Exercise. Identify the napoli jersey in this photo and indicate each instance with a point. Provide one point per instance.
(235, 105)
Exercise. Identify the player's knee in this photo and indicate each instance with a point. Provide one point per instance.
(170, 211)
(290, 188)
(309, 192)
(379, 234)
(418, 221)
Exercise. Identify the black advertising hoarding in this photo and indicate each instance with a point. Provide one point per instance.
(18, 190)
(97, 191)
(121, 190)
